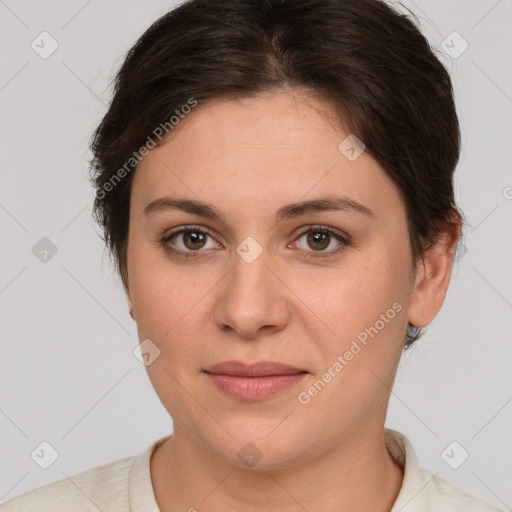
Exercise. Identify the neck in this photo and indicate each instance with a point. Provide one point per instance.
(356, 474)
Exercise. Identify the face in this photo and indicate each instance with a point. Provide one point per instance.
(325, 291)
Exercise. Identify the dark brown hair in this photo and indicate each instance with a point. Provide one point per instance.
(367, 60)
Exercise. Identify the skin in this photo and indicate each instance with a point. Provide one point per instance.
(248, 158)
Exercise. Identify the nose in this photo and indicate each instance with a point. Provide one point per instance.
(252, 301)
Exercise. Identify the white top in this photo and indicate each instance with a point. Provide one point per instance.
(125, 486)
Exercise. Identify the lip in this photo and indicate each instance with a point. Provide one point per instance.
(255, 381)
(258, 369)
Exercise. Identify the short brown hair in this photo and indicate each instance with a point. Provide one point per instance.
(362, 56)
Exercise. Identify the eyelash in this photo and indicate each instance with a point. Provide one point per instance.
(345, 241)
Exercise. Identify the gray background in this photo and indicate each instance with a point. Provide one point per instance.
(68, 375)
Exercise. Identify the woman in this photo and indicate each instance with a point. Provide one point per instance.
(274, 180)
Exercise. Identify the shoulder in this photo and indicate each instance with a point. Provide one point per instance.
(442, 496)
(421, 490)
(100, 488)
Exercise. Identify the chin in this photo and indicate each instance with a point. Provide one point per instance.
(262, 446)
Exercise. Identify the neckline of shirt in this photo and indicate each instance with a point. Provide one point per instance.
(142, 496)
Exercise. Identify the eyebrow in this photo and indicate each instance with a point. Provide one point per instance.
(288, 211)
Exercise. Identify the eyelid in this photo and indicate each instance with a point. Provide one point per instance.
(188, 227)
(184, 229)
(342, 237)
(321, 227)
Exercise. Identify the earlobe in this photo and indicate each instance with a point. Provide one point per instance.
(433, 277)
(126, 286)
(130, 302)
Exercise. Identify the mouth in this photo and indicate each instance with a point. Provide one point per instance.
(255, 381)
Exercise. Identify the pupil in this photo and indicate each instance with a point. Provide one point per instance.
(318, 238)
(196, 238)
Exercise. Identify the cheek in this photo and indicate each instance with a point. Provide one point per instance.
(353, 297)
(162, 293)
(171, 300)
(169, 312)
(366, 307)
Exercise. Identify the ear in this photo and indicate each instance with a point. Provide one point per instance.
(433, 276)
(130, 306)
(126, 286)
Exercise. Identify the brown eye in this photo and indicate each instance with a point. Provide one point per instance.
(318, 240)
(321, 242)
(194, 240)
(189, 242)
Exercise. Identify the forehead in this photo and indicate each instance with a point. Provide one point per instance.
(270, 148)
(275, 122)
